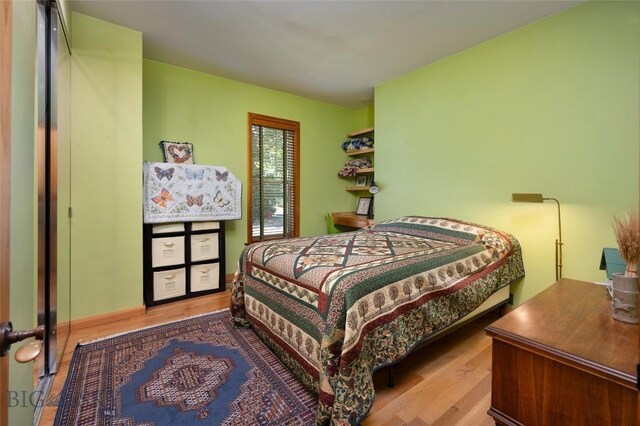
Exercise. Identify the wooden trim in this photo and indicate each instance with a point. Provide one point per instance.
(279, 123)
(249, 179)
(107, 318)
(124, 314)
(296, 185)
(6, 33)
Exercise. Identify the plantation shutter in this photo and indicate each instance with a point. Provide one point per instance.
(274, 183)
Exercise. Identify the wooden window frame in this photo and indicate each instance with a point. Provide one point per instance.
(277, 123)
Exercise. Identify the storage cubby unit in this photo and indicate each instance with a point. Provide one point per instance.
(182, 260)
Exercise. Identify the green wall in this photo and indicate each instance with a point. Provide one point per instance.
(365, 117)
(106, 167)
(23, 198)
(552, 107)
(211, 112)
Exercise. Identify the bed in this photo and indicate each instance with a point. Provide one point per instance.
(336, 308)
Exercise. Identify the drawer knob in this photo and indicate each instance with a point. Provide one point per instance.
(169, 244)
(170, 277)
(204, 271)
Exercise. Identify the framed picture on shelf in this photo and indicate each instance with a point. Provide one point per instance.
(361, 180)
(364, 203)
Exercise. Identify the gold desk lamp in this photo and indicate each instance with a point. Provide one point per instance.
(538, 198)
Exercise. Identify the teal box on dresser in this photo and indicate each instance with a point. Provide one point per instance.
(611, 262)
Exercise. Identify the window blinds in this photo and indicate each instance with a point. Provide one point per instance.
(273, 180)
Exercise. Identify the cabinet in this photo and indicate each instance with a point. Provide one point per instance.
(561, 359)
(183, 260)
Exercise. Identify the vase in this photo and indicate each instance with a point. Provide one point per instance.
(624, 298)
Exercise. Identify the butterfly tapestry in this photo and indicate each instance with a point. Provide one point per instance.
(188, 192)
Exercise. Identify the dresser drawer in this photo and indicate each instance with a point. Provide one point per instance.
(204, 226)
(205, 277)
(164, 228)
(204, 247)
(168, 284)
(167, 251)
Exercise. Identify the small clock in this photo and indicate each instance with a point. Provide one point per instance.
(373, 189)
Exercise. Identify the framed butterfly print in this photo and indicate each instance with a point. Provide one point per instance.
(177, 152)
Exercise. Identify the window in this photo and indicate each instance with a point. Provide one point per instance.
(274, 185)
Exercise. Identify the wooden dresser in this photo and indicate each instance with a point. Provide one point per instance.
(561, 359)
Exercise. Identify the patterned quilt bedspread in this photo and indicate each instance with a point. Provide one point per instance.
(335, 308)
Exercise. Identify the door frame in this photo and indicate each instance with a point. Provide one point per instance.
(6, 40)
(46, 171)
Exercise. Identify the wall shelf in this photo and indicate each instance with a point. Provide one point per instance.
(360, 132)
(364, 176)
(365, 171)
(360, 152)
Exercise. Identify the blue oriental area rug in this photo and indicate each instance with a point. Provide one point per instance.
(198, 371)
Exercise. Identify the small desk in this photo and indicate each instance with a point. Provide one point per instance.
(351, 220)
(561, 359)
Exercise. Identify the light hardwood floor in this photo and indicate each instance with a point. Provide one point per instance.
(445, 383)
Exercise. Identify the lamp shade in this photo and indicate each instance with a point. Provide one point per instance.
(526, 198)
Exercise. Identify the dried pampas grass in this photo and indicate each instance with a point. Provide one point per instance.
(627, 230)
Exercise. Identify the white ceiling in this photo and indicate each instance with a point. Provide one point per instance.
(333, 51)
